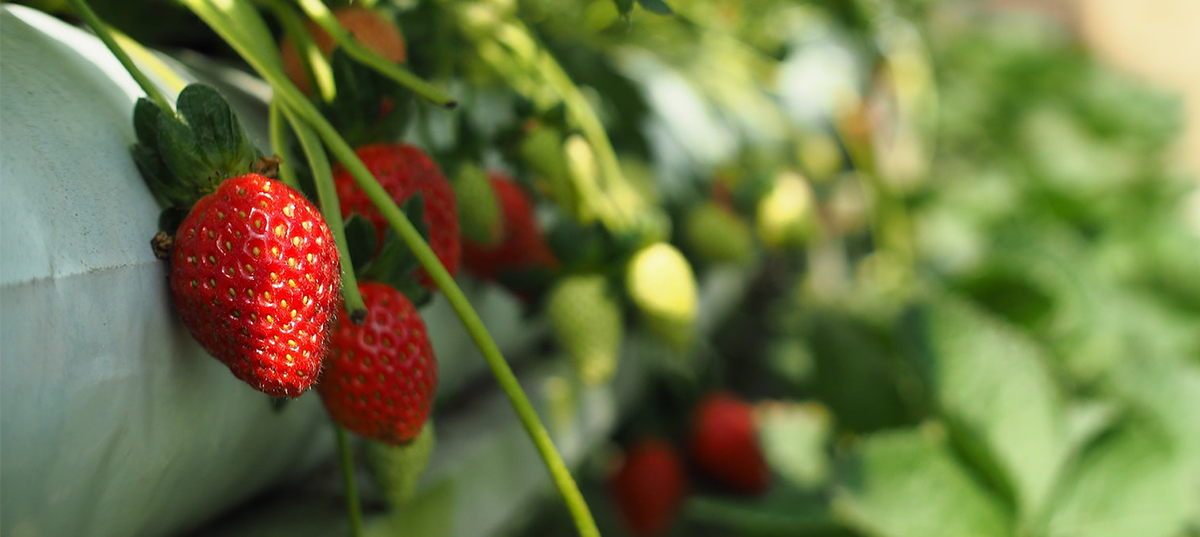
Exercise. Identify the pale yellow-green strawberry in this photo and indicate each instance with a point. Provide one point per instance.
(587, 322)
(660, 282)
(478, 209)
(786, 216)
(397, 469)
(717, 235)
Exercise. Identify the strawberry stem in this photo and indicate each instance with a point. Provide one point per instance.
(316, 66)
(353, 510)
(319, 13)
(219, 21)
(327, 196)
(279, 143)
(90, 18)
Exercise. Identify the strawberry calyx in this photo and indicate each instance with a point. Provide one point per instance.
(184, 156)
(390, 262)
(369, 107)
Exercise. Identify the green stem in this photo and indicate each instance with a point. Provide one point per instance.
(91, 19)
(319, 13)
(327, 195)
(586, 525)
(287, 173)
(316, 66)
(354, 512)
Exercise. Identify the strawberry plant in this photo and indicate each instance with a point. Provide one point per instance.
(859, 269)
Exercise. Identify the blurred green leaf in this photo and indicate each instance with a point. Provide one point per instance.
(856, 373)
(1129, 482)
(909, 484)
(656, 6)
(992, 387)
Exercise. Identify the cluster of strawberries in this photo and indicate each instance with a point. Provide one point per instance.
(255, 272)
(651, 482)
(255, 277)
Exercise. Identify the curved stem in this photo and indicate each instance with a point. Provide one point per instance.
(316, 65)
(353, 510)
(287, 173)
(567, 487)
(91, 19)
(327, 195)
(319, 13)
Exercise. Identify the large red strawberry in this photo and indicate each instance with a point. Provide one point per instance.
(404, 170)
(255, 277)
(522, 246)
(724, 443)
(379, 379)
(649, 487)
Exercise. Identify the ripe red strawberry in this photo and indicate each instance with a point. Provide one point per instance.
(255, 277)
(649, 487)
(404, 170)
(724, 443)
(523, 246)
(379, 379)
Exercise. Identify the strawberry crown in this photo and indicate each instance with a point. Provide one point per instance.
(184, 156)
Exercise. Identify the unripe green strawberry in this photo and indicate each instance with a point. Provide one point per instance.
(397, 469)
(717, 235)
(478, 208)
(255, 277)
(587, 322)
(786, 216)
(662, 285)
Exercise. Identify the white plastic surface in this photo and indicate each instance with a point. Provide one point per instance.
(114, 421)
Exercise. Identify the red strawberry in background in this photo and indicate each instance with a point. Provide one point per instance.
(255, 277)
(724, 443)
(522, 246)
(649, 487)
(380, 378)
(404, 170)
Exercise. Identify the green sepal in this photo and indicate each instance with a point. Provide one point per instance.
(396, 265)
(183, 157)
(361, 240)
(170, 219)
(223, 142)
(357, 110)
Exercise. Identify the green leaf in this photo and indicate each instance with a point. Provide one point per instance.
(794, 438)
(855, 374)
(1132, 481)
(782, 512)
(361, 240)
(909, 484)
(992, 387)
(656, 6)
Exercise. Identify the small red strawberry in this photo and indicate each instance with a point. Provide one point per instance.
(724, 443)
(650, 487)
(255, 277)
(404, 170)
(522, 247)
(379, 379)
